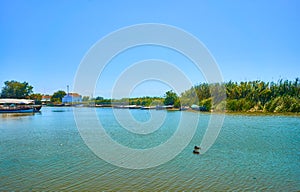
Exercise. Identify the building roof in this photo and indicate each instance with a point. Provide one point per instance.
(46, 97)
(17, 101)
(74, 95)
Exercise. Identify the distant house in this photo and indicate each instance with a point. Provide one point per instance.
(72, 98)
(46, 99)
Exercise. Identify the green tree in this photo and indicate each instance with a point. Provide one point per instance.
(37, 97)
(138, 102)
(206, 103)
(156, 101)
(57, 96)
(85, 98)
(189, 97)
(15, 89)
(171, 98)
(283, 104)
(99, 98)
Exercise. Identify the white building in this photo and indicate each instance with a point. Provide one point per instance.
(46, 98)
(72, 98)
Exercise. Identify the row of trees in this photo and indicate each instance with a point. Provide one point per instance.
(15, 89)
(18, 90)
(170, 99)
(283, 96)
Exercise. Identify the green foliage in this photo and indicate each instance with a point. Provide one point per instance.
(282, 96)
(99, 98)
(202, 91)
(189, 97)
(171, 98)
(85, 98)
(57, 96)
(221, 106)
(232, 105)
(143, 101)
(138, 102)
(37, 97)
(15, 89)
(102, 101)
(285, 103)
(177, 103)
(206, 103)
(239, 105)
(157, 101)
(146, 101)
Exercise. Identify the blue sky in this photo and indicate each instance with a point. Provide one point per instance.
(43, 42)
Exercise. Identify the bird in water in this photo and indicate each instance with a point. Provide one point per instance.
(196, 150)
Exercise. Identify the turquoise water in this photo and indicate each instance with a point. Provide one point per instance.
(44, 151)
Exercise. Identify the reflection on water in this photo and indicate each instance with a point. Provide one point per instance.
(15, 115)
(58, 110)
(61, 109)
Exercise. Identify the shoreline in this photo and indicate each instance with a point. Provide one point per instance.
(255, 113)
(259, 113)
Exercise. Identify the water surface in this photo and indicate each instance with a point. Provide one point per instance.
(44, 151)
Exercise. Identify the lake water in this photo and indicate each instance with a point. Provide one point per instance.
(45, 151)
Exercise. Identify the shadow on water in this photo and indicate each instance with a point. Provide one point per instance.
(59, 110)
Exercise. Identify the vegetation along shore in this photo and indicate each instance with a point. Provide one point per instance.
(254, 97)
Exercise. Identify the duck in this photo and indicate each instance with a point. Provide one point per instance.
(197, 147)
(196, 150)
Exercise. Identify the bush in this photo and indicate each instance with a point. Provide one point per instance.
(206, 104)
(283, 104)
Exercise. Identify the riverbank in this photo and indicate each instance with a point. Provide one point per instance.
(250, 113)
(263, 113)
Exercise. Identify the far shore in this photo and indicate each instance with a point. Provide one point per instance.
(257, 113)
(250, 113)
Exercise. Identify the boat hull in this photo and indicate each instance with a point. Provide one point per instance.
(30, 110)
(11, 105)
(37, 108)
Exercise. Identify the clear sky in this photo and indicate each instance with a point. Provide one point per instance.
(43, 42)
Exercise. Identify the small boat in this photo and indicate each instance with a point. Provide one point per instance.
(164, 107)
(147, 107)
(126, 106)
(18, 106)
(37, 108)
(184, 108)
(134, 107)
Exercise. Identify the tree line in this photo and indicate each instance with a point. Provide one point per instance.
(23, 90)
(281, 96)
